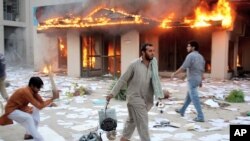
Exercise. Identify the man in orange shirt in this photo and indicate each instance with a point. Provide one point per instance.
(17, 108)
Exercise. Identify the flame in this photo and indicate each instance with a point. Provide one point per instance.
(85, 62)
(238, 61)
(221, 12)
(63, 49)
(93, 19)
(88, 61)
(166, 21)
(209, 67)
(47, 69)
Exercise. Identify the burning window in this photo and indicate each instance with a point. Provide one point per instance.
(89, 51)
(100, 55)
(62, 52)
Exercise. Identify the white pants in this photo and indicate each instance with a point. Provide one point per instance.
(28, 121)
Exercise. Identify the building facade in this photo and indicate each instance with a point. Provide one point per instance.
(84, 52)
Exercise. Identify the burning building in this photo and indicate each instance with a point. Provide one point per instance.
(94, 38)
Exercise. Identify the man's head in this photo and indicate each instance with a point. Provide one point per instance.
(147, 51)
(192, 46)
(35, 83)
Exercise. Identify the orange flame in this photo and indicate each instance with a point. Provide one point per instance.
(221, 12)
(46, 70)
(63, 50)
(88, 53)
(166, 21)
(238, 61)
(93, 19)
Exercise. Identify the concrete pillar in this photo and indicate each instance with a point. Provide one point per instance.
(1, 39)
(73, 48)
(28, 30)
(129, 49)
(1, 28)
(1, 12)
(219, 62)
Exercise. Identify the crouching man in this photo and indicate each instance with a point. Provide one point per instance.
(17, 108)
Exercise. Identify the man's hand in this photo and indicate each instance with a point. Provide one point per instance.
(108, 97)
(53, 104)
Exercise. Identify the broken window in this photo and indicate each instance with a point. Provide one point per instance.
(11, 10)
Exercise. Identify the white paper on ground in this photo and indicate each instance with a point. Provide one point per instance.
(247, 98)
(172, 113)
(218, 122)
(120, 126)
(192, 126)
(168, 129)
(243, 118)
(72, 108)
(214, 137)
(60, 113)
(209, 129)
(42, 118)
(160, 136)
(66, 123)
(49, 134)
(159, 120)
(183, 136)
(60, 107)
(231, 109)
(73, 116)
(85, 127)
(121, 114)
(153, 113)
(212, 103)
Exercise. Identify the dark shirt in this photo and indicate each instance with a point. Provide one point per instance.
(2, 66)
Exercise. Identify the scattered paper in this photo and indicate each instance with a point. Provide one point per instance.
(212, 103)
(49, 135)
(214, 137)
(183, 136)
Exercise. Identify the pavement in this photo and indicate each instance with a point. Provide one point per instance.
(75, 116)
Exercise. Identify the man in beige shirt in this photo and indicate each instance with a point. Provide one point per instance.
(138, 79)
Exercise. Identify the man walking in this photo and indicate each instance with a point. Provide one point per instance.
(142, 83)
(194, 65)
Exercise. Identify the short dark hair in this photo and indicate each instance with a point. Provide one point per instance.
(144, 46)
(36, 82)
(194, 44)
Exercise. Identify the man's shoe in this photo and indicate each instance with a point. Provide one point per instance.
(198, 120)
(27, 137)
(178, 111)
